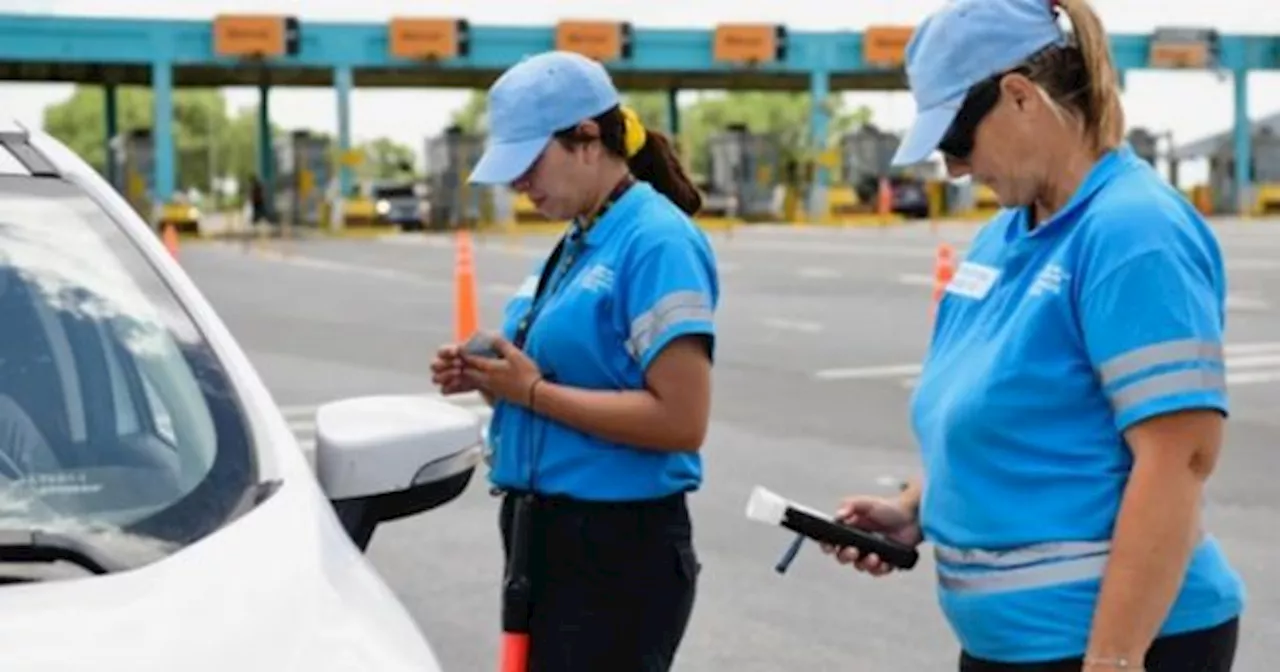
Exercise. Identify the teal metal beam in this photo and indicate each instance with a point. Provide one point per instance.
(162, 133)
(344, 55)
(326, 45)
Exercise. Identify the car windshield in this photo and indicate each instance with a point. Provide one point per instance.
(116, 418)
(397, 191)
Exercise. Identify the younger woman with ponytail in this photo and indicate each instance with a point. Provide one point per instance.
(601, 379)
(1072, 401)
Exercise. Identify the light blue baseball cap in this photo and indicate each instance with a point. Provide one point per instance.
(958, 46)
(533, 100)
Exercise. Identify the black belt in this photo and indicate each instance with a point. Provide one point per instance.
(548, 501)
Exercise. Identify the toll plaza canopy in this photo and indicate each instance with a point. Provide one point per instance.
(433, 51)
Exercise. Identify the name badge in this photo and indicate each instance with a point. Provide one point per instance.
(973, 281)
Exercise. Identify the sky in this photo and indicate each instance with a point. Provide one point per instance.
(1188, 105)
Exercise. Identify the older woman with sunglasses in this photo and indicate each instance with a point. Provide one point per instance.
(1072, 402)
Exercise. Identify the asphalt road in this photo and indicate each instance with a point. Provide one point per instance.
(325, 319)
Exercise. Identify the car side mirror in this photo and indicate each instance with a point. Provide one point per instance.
(381, 458)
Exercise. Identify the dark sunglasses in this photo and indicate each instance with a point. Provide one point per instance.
(978, 103)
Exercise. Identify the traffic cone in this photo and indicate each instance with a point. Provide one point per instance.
(884, 198)
(944, 268)
(170, 238)
(466, 318)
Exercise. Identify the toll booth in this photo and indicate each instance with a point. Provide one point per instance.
(866, 158)
(1145, 144)
(450, 157)
(1264, 174)
(133, 169)
(304, 169)
(745, 173)
(132, 155)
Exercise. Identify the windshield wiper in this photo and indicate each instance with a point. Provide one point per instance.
(42, 546)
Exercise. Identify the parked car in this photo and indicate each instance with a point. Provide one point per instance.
(156, 512)
(402, 204)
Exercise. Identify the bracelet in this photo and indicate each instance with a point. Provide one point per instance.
(533, 388)
(1110, 663)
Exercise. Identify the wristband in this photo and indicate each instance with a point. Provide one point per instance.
(533, 387)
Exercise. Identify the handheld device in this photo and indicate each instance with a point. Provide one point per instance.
(772, 509)
(481, 345)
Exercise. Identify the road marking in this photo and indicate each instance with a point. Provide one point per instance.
(918, 279)
(353, 269)
(792, 325)
(869, 372)
(1252, 265)
(818, 272)
(1246, 304)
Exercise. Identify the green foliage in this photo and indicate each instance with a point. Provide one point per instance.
(787, 115)
(208, 139)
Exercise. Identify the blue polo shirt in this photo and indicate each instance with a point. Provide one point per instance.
(1048, 345)
(645, 276)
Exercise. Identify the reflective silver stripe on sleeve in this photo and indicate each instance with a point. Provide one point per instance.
(1025, 555)
(1165, 384)
(1169, 352)
(1023, 578)
(673, 308)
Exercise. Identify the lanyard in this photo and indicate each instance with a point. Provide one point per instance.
(562, 259)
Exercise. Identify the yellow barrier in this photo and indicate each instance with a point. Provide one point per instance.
(1268, 200)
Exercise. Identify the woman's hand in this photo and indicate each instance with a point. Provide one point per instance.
(510, 376)
(875, 514)
(447, 371)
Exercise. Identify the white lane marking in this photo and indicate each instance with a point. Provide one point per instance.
(818, 272)
(918, 279)
(793, 325)
(869, 372)
(1247, 304)
(1252, 265)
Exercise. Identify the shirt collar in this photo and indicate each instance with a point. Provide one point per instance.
(1103, 171)
(617, 214)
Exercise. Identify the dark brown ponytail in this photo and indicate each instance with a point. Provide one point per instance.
(656, 162)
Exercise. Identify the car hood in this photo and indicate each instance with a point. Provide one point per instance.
(278, 589)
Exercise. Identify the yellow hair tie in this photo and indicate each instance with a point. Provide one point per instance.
(634, 133)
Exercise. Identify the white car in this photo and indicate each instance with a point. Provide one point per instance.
(156, 512)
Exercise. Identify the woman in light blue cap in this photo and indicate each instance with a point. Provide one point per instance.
(601, 379)
(1073, 397)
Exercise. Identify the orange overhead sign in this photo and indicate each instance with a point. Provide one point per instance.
(1183, 48)
(601, 40)
(255, 35)
(423, 38)
(1179, 55)
(749, 43)
(886, 45)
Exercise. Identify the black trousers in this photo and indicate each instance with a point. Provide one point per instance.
(613, 584)
(1209, 650)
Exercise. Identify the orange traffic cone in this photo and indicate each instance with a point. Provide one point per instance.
(944, 268)
(467, 318)
(884, 198)
(170, 238)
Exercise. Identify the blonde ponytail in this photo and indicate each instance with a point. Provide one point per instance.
(1082, 77)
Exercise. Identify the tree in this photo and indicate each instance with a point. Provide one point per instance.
(208, 142)
(785, 115)
(386, 159)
